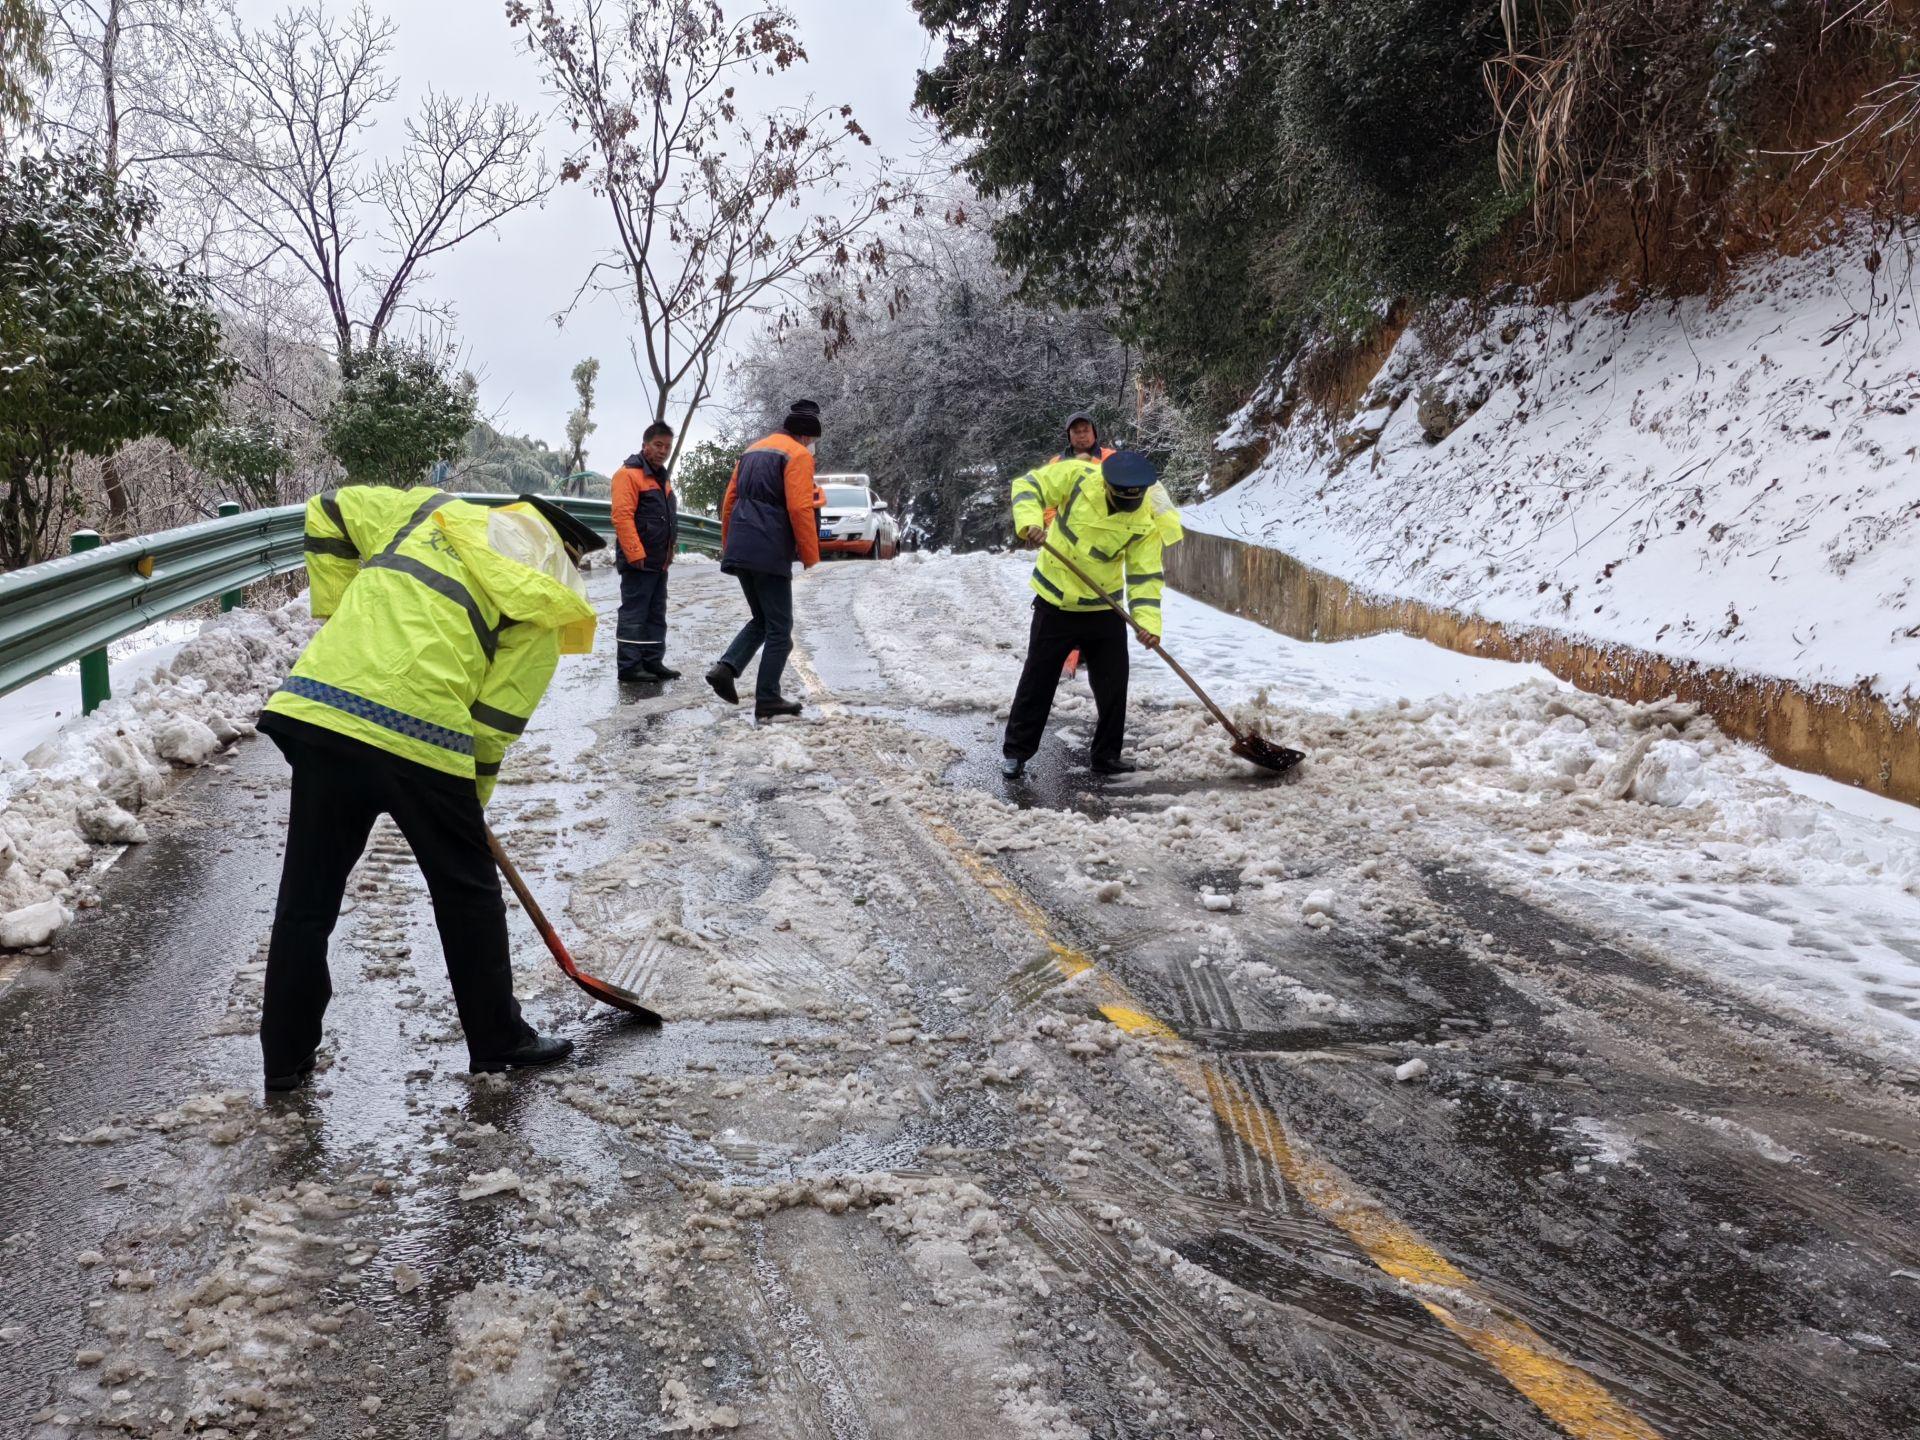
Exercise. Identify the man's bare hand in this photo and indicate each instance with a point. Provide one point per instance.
(1033, 535)
(1149, 639)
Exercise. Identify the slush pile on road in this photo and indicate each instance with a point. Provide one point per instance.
(1525, 1065)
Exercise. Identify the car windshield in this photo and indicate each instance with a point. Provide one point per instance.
(847, 497)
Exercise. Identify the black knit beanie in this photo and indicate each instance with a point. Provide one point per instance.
(803, 420)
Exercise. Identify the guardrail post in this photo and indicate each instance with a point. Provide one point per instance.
(231, 599)
(96, 681)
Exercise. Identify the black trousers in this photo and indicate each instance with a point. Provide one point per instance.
(641, 635)
(770, 598)
(339, 790)
(1101, 638)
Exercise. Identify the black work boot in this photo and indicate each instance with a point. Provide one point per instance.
(779, 705)
(293, 1079)
(659, 670)
(539, 1050)
(1012, 766)
(1113, 765)
(721, 676)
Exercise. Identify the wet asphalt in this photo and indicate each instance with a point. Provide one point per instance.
(1724, 1292)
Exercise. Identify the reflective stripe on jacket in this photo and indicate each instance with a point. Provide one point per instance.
(769, 517)
(438, 643)
(1120, 550)
(646, 516)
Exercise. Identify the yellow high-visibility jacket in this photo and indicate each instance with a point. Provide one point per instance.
(445, 621)
(1120, 550)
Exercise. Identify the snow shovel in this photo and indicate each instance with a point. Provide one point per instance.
(1246, 743)
(604, 991)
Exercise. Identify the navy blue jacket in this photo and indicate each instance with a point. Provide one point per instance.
(771, 515)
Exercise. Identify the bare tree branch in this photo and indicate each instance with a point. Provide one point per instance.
(280, 133)
(714, 217)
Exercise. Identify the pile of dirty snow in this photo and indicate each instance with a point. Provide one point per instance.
(1729, 483)
(87, 784)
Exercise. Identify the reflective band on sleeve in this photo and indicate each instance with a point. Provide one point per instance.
(498, 719)
(385, 716)
(1146, 604)
(488, 636)
(1145, 576)
(317, 545)
(483, 768)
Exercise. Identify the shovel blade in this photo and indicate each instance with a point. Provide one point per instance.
(1266, 754)
(607, 993)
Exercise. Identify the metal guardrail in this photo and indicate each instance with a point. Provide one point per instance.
(72, 608)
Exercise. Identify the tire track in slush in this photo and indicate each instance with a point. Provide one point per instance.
(1268, 1162)
(1557, 1385)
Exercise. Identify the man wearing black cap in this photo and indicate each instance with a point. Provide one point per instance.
(1107, 519)
(445, 621)
(769, 519)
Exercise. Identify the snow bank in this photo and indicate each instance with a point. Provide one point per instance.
(1734, 485)
(979, 605)
(36, 711)
(86, 784)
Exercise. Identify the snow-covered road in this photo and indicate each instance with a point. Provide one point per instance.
(1527, 1065)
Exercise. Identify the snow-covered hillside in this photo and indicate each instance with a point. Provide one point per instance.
(1735, 484)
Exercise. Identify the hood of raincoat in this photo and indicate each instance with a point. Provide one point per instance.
(518, 559)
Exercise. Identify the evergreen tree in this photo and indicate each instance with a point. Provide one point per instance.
(98, 346)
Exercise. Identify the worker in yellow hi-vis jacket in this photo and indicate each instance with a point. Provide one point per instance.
(444, 622)
(1108, 516)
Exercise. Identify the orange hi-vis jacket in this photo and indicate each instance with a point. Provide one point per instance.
(646, 519)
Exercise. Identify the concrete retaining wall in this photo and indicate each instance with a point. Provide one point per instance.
(1847, 734)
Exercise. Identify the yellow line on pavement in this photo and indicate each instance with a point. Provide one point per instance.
(1563, 1392)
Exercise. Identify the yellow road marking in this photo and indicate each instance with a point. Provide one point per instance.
(1558, 1387)
(1562, 1391)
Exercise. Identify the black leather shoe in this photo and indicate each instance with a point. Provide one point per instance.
(540, 1050)
(779, 705)
(1012, 768)
(293, 1079)
(721, 676)
(659, 671)
(1115, 766)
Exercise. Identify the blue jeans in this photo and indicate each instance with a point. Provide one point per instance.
(770, 598)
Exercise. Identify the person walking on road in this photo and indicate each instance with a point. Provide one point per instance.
(1083, 443)
(646, 525)
(769, 519)
(444, 622)
(1111, 519)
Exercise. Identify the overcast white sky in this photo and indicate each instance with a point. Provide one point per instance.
(508, 286)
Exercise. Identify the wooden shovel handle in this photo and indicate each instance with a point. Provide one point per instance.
(1141, 630)
(529, 904)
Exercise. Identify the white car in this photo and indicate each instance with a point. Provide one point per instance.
(853, 520)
